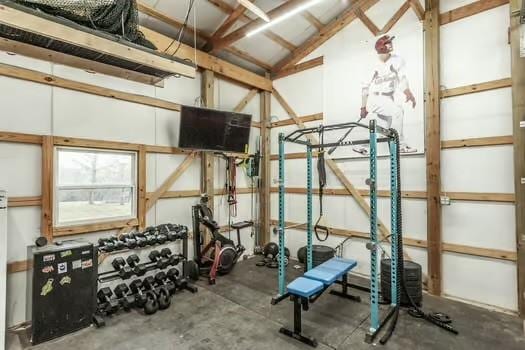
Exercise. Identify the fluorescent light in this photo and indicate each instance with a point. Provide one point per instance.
(256, 10)
(284, 17)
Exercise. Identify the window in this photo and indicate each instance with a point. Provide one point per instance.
(94, 186)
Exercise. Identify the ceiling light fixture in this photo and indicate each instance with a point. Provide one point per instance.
(284, 17)
(255, 9)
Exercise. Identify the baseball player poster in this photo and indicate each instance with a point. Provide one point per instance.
(377, 77)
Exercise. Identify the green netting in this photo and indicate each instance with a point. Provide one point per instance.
(117, 17)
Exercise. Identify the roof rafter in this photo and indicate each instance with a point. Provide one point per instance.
(226, 8)
(226, 25)
(313, 20)
(201, 35)
(328, 31)
(256, 23)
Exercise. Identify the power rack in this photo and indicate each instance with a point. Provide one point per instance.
(377, 135)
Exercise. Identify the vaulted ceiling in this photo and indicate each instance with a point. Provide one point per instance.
(212, 20)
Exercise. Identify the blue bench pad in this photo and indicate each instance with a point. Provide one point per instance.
(305, 287)
(323, 275)
(341, 264)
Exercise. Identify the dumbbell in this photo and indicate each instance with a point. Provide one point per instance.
(180, 283)
(106, 304)
(174, 232)
(124, 272)
(136, 289)
(155, 256)
(127, 301)
(141, 241)
(102, 242)
(172, 274)
(129, 240)
(108, 244)
(161, 238)
(133, 262)
(173, 260)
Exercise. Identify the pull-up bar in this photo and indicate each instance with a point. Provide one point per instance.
(390, 136)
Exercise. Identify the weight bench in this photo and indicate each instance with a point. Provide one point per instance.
(308, 288)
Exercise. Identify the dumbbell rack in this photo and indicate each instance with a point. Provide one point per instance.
(153, 292)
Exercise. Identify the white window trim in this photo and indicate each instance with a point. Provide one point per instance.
(57, 188)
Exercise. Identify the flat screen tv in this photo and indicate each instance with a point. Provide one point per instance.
(210, 129)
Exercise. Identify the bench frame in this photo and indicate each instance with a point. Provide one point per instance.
(302, 303)
(301, 137)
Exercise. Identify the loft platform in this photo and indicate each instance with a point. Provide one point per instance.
(39, 35)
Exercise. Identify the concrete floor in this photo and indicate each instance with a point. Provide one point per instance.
(236, 314)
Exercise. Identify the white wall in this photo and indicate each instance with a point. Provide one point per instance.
(39, 109)
(473, 50)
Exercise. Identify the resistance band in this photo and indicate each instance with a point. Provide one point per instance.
(320, 226)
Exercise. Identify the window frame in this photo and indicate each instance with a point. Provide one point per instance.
(57, 188)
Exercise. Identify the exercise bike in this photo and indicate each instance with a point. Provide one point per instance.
(220, 255)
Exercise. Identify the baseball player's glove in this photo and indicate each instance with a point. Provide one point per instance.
(410, 97)
(363, 113)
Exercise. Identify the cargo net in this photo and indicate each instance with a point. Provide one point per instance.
(117, 17)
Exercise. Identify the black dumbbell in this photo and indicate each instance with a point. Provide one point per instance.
(133, 262)
(118, 263)
(161, 238)
(141, 241)
(162, 263)
(129, 240)
(136, 289)
(172, 274)
(163, 229)
(126, 300)
(179, 282)
(162, 280)
(106, 304)
(124, 271)
(115, 243)
(151, 239)
(106, 244)
(167, 254)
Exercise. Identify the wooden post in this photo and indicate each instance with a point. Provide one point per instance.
(433, 145)
(518, 106)
(266, 176)
(141, 187)
(207, 158)
(47, 187)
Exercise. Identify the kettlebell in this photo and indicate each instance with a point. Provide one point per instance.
(164, 298)
(151, 306)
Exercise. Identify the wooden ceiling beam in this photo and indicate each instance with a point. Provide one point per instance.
(300, 67)
(256, 23)
(247, 57)
(209, 62)
(397, 16)
(418, 9)
(226, 8)
(328, 31)
(38, 25)
(163, 17)
(313, 20)
(225, 26)
(469, 10)
(367, 22)
(201, 35)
